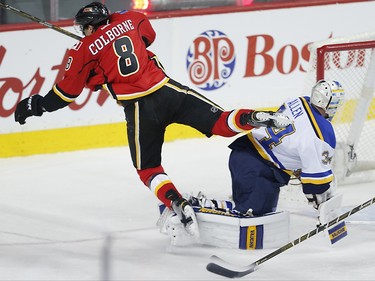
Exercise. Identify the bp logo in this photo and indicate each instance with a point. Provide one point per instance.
(210, 60)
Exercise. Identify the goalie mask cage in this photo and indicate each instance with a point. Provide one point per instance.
(351, 61)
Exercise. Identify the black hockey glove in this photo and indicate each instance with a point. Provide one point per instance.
(28, 107)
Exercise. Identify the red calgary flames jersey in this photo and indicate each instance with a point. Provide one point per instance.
(114, 57)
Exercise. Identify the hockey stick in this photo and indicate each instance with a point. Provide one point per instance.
(38, 20)
(220, 267)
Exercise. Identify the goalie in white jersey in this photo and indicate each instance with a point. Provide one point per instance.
(264, 160)
(260, 163)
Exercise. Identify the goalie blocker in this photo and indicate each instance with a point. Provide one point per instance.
(228, 230)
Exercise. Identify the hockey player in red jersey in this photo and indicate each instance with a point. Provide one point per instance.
(113, 55)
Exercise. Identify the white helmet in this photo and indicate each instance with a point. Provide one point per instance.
(328, 95)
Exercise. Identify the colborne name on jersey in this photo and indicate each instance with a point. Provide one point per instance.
(110, 35)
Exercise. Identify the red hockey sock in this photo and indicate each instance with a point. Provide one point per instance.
(159, 183)
(164, 189)
(229, 125)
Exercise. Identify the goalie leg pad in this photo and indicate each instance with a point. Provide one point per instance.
(227, 230)
(337, 232)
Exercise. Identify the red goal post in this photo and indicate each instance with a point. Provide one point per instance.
(351, 61)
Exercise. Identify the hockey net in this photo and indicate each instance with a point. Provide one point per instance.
(351, 61)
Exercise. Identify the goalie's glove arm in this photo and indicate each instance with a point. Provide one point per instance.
(310, 188)
(317, 194)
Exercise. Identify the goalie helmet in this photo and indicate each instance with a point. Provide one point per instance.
(328, 95)
(94, 14)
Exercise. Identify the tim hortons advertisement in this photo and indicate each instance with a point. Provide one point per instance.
(246, 59)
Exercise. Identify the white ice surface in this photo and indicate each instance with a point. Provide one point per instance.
(86, 216)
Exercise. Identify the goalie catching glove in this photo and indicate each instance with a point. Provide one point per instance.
(267, 119)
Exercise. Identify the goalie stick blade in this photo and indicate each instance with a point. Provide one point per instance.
(220, 267)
